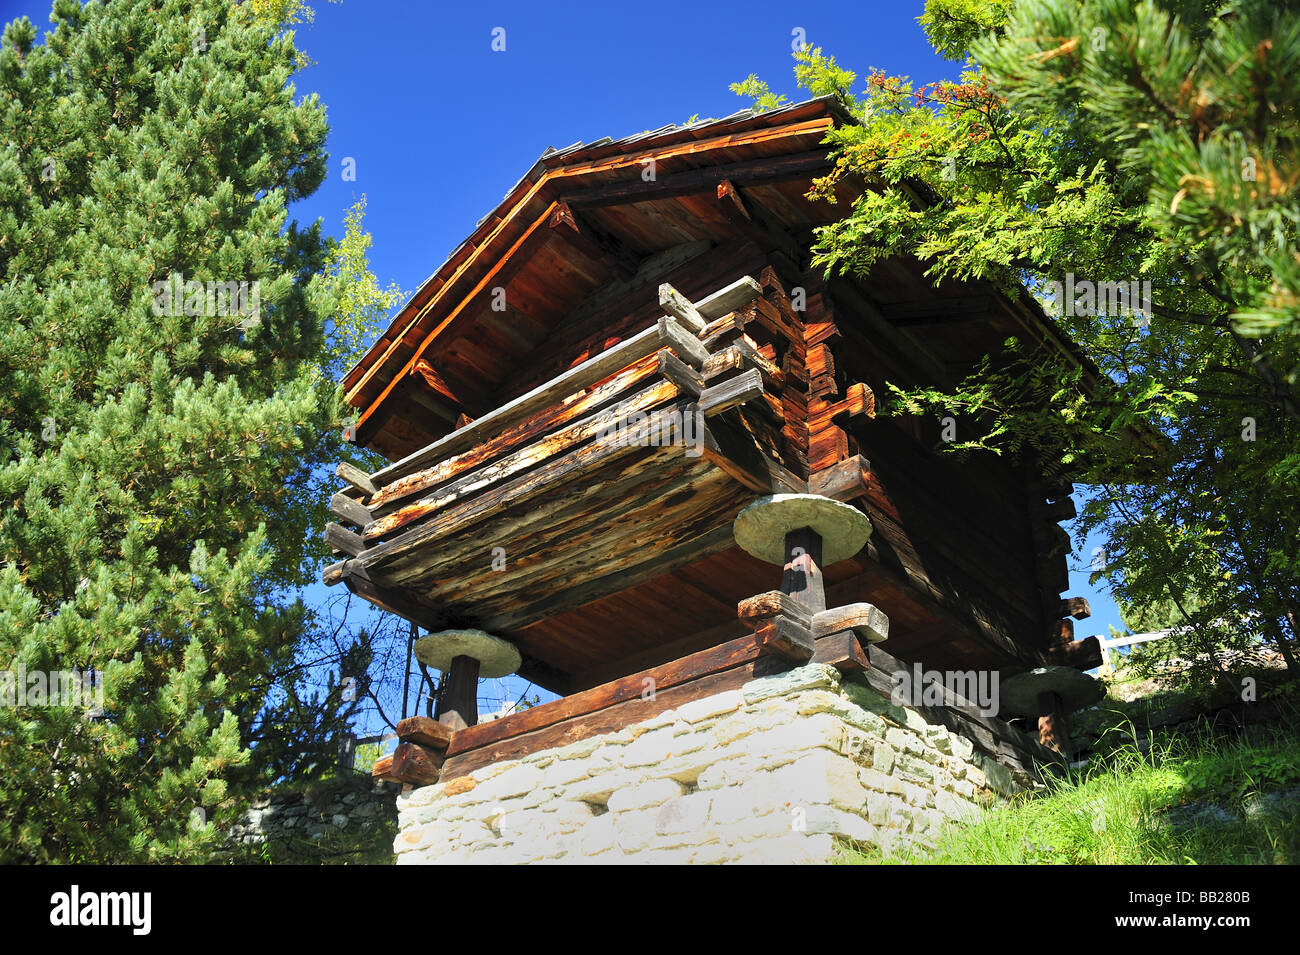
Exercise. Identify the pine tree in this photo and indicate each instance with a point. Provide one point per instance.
(162, 413)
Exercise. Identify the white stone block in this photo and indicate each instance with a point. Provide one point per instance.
(653, 747)
(656, 792)
(711, 706)
(811, 677)
(516, 781)
(685, 814)
(635, 830)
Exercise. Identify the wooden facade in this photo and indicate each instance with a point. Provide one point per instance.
(663, 283)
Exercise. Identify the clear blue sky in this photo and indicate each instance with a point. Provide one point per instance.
(440, 125)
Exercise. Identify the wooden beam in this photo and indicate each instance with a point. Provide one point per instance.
(542, 423)
(647, 342)
(634, 687)
(1082, 654)
(728, 299)
(1060, 631)
(1076, 607)
(679, 306)
(687, 346)
(343, 541)
(686, 378)
(498, 276)
(842, 651)
(732, 448)
(349, 510)
(427, 732)
(843, 481)
(753, 220)
(864, 619)
(570, 467)
(458, 695)
(787, 638)
(593, 242)
(758, 609)
(409, 606)
(383, 770)
(742, 389)
(412, 763)
(597, 427)
(608, 719)
(695, 181)
(356, 477)
(584, 591)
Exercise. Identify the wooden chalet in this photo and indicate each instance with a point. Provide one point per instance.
(664, 279)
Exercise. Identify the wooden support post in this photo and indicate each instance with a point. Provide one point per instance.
(458, 698)
(802, 575)
(1053, 726)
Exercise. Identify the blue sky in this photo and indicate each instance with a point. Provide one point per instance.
(440, 126)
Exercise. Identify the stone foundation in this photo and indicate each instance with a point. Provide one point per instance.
(773, 772)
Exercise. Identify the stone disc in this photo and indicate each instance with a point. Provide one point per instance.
(496, 657)
(1019, 694)
(761, 527)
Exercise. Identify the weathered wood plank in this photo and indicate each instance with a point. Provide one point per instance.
(610, 719)
(685, 344)
(412, 763)
(747, 172)
(866, 620)
(570, 598)
(842, 651)
(679, 306)
(427, 732)
(541, 423)
(383, 770)
(758, 609)
(686, 378)
(504, 468)
(468, 512)
(356, 477)
(1076, 607)
(844, 481)
(349, 510)
(732, 447)
(342, 540)
(1082, 654)
(333, 573)
(730, 298)
(787, 638)
(743, 388)
(667, 332)
(636, 686)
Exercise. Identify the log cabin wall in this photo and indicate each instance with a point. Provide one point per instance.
(491, 390)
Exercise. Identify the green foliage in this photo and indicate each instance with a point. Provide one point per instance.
(756, 89)
(359, 306)
(1116, 143)
(159, 473)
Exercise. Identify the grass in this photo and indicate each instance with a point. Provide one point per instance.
(1117, 810)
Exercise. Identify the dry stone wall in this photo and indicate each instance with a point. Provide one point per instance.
(348, 806)
(771, 773)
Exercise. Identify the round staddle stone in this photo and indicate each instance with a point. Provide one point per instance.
(761, 527)
(496, 657)
(1076, 689)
